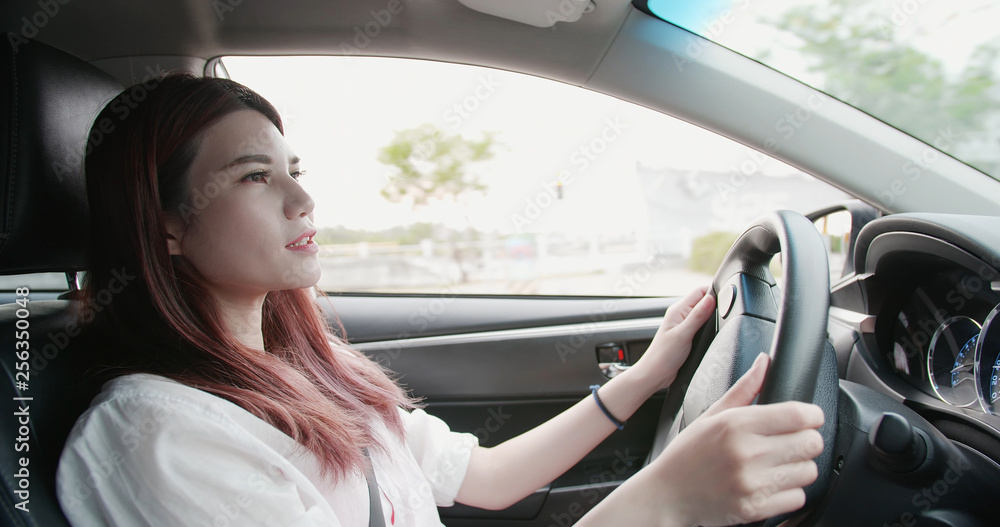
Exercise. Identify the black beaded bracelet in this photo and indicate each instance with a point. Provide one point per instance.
(619, 424)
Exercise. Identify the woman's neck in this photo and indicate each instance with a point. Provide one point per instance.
(242, 319)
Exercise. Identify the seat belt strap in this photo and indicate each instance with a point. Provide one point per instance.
(375, 516)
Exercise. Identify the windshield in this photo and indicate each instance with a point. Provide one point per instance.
(926, 67)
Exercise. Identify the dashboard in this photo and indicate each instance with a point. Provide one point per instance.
(946, 339)
(927, 290)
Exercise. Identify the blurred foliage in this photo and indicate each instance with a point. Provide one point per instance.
(866, 63)
(432, 164)
(707, 251)
(836, 243)
(429, 164)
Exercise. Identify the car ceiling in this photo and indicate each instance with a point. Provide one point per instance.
(438, 30)
(615, 49)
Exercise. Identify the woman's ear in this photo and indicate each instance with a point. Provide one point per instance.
(175, 232)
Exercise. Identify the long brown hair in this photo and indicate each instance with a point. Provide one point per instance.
(309, 384)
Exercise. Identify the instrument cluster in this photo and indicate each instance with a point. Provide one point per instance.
(946, 340)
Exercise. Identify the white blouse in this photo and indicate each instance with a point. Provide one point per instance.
(152, 451)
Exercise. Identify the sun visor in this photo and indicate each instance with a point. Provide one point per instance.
(538, 13)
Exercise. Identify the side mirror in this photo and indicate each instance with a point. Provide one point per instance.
(840, 225)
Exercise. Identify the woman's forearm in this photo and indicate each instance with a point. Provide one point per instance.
(501, 476)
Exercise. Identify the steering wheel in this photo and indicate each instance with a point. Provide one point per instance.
(753, 315)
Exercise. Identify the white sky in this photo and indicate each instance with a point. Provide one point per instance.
(339, 111)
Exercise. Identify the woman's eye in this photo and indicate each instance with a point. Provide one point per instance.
(297, 174)
(256, 177)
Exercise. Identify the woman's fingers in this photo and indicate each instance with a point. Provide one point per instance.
(740, 462)
(745, 390)
(764, 506)
(778, 490)
(766, 419)
(692, 297)
(780, 418)
(802, 445)
(769, 448)
(693, 302)
(696, 317)
(797, 475)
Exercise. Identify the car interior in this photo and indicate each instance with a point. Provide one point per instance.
(899, 347)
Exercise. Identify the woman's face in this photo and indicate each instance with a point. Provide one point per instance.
(248, 224)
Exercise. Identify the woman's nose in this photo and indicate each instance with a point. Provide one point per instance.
(299, 202)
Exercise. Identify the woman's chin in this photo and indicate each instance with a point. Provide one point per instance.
(304, 274)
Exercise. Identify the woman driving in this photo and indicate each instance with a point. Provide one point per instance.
(230, 401)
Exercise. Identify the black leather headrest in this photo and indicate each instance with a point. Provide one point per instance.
(48, 102)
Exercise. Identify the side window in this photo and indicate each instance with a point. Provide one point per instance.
(50, 282)
(432, 177)
(836, 230)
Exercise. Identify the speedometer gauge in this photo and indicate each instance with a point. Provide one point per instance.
(951, 361)
(988, 363)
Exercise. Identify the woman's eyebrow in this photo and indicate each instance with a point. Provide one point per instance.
(256, 158)
(247, 159)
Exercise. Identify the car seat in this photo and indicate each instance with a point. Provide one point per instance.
(48, 102)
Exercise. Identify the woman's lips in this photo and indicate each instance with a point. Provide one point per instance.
(311, 247)
(304, 243)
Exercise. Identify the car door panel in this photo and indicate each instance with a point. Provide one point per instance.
(379, 317)
(497, 367)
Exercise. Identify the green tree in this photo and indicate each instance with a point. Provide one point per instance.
(708, 251)
(428, 163)
(856, 47)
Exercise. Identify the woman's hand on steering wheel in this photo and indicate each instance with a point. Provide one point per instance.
(740, 462)
(672, 343)
(736, 463)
